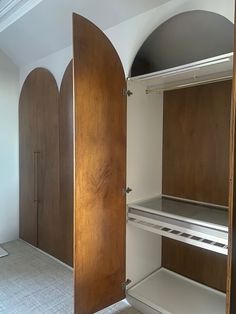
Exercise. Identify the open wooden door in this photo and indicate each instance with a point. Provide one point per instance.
(100, 170)
(231, 272)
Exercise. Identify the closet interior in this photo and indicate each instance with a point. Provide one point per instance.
(178, 134)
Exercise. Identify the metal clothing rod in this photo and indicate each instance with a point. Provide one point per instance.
(159, 90)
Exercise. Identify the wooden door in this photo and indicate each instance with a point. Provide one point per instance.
(100, 170)
(28, 159)
(49, 219)
(66, 165)
(39, 162)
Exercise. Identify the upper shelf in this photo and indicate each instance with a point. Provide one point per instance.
(207, 216)
(204, 71)
(192, 223)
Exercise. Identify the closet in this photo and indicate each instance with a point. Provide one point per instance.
(46, 163)
(180, 134)
(189, 213)
(152, 160)
(181, 152)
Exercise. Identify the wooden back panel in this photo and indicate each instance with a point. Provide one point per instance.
(196, 166)
(197, 264)
(100, 170)
(66, 164)
(196, 142)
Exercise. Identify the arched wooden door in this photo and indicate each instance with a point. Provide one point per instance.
(66, 165)
(100, 169)
(39, 162)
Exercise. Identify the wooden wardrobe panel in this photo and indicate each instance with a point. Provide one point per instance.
(203, 266)
(30, 98)
(49, 232)
(196, 142)
(100, 170)
(66, 164)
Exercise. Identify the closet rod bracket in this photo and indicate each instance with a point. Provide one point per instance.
(127, 92)
(127, 190)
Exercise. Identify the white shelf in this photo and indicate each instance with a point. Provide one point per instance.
(170, 293)
(192, 223)
(208, 70)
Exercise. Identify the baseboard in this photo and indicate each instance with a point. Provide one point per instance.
(52, 257)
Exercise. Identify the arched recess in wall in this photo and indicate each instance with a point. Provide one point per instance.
(66, 159)
(185, 38)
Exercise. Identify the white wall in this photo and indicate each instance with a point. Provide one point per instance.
(144, 175)
(144, 142)
(56, 63)
(128, 36)
(9, 161)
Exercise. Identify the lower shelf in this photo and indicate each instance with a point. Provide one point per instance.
(169, 293)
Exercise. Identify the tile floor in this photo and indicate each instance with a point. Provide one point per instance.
(33, 283)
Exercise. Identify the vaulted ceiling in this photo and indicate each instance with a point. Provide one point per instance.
(32, 29)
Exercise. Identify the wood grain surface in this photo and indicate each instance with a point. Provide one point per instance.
(100, 170)
(196, 142)
(66, 164)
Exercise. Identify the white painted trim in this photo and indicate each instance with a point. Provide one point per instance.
(14, 11)
(8, 6)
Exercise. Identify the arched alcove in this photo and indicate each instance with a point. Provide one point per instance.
(185, 38)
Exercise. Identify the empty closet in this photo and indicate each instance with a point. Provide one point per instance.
(170, 250)
(46, 163)
(182, 213)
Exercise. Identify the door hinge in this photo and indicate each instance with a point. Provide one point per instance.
(127, 190)
(125, 284)
(127, 92)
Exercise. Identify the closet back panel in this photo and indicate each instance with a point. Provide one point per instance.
(66, 164)
(197, 264)
(196, 132)
(196, 142)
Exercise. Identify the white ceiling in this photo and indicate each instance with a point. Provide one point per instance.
(48, 26)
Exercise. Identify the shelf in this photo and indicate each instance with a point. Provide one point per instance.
(192, 223)
(170, 293)
(209, 70)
